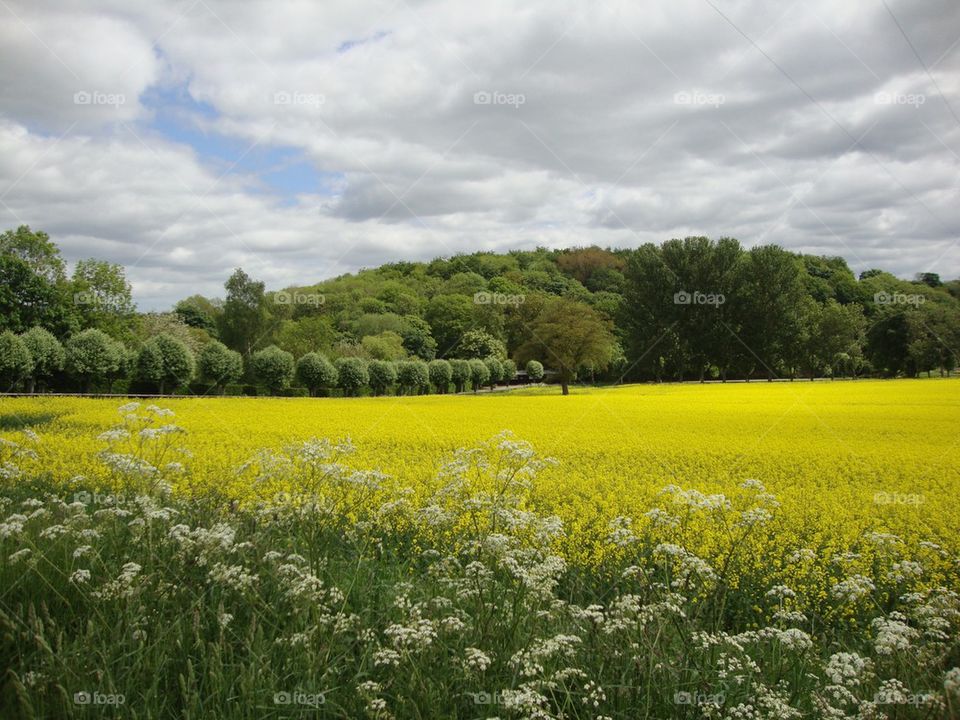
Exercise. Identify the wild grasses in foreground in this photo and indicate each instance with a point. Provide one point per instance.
(341, 596)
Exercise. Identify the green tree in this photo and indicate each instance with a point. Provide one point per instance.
(47, 355)
(460, 374)
(509, 371)
(307, 334)
(219, 365)
(495, 368)
(383, 374)
(36, 250)
(273, 367)
(417, 339)
(244, 321)
(480, 344)
(450, 316)
(193, 314)
(15, 361)
(569, 335)
(534, 370)
(479, 373)
(315, 372)
(413, 376)
(352, 375)
(165, 361)
(440, 375)
(27, 299)
(103, 296)
(384, 346)
(91, 356)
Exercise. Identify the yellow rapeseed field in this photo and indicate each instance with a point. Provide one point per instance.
(843, 458)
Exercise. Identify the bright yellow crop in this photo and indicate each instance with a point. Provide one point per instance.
(843, 458)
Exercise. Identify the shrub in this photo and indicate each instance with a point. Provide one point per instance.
(219, 365)
(535, 371)
(165, 361)
(495, 368)
(316, 372)
(479, 373)
(352, 375)
(412, 376)
(460, 374)
(440, 375)
(91, 356)
(273, 367)
(15, 361)
(47, 355)
(383, 374)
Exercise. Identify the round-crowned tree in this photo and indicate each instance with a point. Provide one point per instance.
(383, 374)
(165, 361)
(15, 361)
(273, 367)
(495, 368)
(412, 376)
(509, 371)
(315, 372)
(479, 374)
(47, 355)
(440, 375)
(352, 375)
(535, 370)
(91, 356)
(219, 365)
(460, 372)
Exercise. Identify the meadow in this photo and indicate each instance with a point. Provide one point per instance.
(744, 551)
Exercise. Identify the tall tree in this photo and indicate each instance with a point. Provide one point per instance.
(103, 296)
(569, 335)
(36, 250)
(245, 319)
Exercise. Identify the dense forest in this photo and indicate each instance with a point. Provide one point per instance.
(690, 309)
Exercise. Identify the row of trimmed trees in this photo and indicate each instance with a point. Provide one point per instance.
(34, 359)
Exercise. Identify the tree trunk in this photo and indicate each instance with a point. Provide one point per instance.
(161, 387)
(31, 384)
(564, 387)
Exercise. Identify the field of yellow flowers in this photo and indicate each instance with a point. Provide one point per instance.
(738, 552)
(843, 458)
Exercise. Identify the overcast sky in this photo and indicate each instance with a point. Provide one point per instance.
(301, 139)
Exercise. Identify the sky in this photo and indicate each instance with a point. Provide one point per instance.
(301, 140)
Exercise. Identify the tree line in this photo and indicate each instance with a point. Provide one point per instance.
(690, 309)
